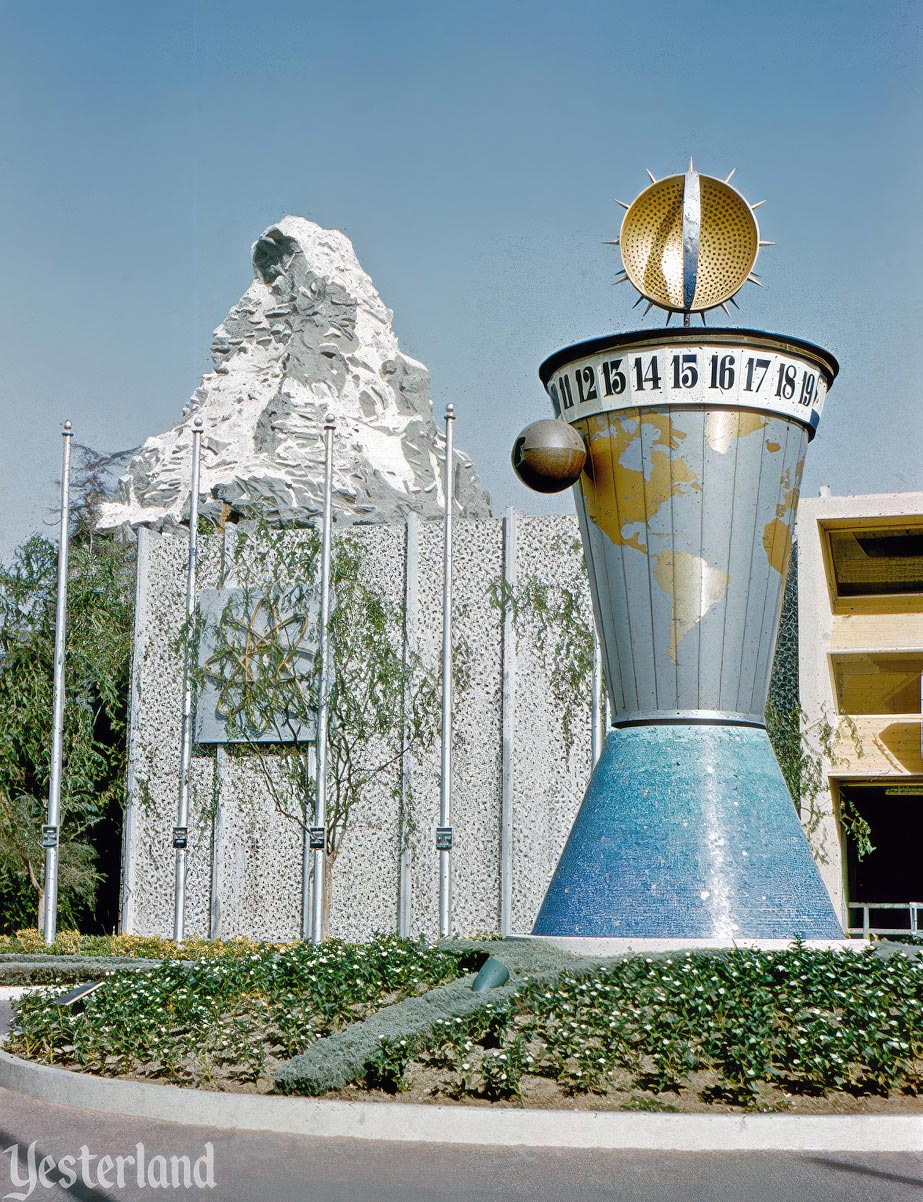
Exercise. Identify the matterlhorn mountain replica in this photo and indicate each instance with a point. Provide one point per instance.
(309, 337)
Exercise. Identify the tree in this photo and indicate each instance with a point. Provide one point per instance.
(261, 661)
(97, 665)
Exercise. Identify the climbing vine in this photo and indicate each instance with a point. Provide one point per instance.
(557, 615)
(262, 662)
(806, 750)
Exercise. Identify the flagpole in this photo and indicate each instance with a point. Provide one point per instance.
(444, 837)
(181, 830)
(50, 834)
(323, 701)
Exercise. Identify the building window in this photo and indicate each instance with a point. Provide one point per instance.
(872, 562)
(877, 684)
(893, 872)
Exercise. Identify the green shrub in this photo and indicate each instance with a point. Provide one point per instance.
(800, 1020)
(386, 1070)
(228, 1012)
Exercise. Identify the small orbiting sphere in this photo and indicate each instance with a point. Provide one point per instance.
(548, 456)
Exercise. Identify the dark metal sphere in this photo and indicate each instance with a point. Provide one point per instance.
(548, 456)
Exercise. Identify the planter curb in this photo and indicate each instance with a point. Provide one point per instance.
(409, 1122)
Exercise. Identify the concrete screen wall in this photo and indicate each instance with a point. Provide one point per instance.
(519, 769)
(512, 755)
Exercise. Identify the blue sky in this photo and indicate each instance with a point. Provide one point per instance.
(473, 153)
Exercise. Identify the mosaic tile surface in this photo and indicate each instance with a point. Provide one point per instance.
(687, 832)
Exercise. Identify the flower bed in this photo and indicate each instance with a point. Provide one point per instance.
(226, 1021)
(755, 1030)
(798, 1029)
(30, 942)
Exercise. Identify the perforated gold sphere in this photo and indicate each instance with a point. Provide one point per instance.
(651, 241)
(689, 242)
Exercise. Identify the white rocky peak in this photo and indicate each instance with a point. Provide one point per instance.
(309, 337)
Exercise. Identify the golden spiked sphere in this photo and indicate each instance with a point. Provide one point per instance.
(689, 243)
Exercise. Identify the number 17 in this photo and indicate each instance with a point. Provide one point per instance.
(751, 363)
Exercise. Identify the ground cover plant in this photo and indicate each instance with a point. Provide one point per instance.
(753, 1030)
(226, 1021)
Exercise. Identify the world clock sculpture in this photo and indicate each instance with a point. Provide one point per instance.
(685, 449)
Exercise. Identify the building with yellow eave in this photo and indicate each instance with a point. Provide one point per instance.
(860, 593)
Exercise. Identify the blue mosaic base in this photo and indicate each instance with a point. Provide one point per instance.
(687, 832)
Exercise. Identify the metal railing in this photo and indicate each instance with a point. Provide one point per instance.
(915, 926)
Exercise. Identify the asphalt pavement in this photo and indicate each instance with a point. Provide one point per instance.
(274, 1168)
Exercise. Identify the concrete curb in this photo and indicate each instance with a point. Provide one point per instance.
(578, 945)
(396, 1121)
